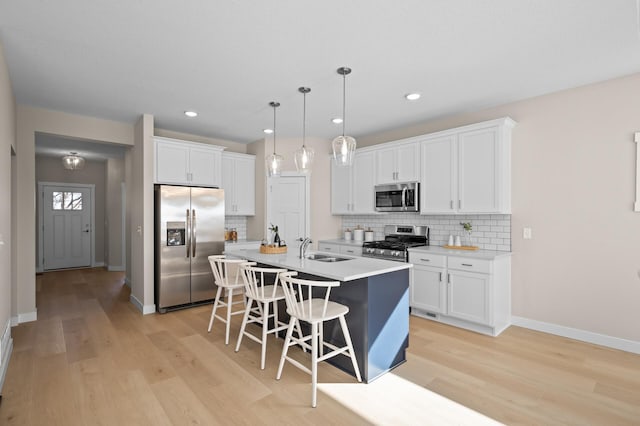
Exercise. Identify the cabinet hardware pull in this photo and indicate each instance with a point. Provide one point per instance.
(449, 278)
(440, 276)
(426, 260)
(459, 204)
(349, 251)
(451, 204)
(467, 264)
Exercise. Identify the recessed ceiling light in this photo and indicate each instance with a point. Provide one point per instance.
(191, 114)
(337, 120)
(413, 96)
(268, 131)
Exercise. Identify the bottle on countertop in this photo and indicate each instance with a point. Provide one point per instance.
(234, 234)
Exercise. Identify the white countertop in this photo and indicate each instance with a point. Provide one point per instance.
(230, 244)
(353, 269)
(474, 254)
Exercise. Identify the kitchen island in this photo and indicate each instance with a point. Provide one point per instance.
(377, 294)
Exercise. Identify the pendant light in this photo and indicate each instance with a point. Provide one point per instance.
(344, 147)
(303, 157)
(274, 161)
(73, 161)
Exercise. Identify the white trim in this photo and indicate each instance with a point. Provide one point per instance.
(6, 347)
(40, 224)
(98, 265)
(27, 317)
(636, 205)
(118, 268)
(123, 252)
(577, 334)
(145, 309)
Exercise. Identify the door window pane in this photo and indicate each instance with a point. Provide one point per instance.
(57, 200)
(67, 200)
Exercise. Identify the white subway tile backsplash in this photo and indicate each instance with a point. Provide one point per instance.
(490, 232)
(239, 223)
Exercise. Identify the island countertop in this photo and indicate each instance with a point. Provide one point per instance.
(348, 270)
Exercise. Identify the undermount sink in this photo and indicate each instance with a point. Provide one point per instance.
(326, 258)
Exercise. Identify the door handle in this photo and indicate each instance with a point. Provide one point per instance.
(193, 231)
(188, 232)
(86, 230)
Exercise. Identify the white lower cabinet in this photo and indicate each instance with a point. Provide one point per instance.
(429, 291)
(462, 291)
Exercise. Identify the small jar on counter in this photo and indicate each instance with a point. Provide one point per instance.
(233, 235)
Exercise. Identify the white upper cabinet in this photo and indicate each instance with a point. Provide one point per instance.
(437, 184)
(468, 169)
(238, 182)
(398, 162)
(187, 163)
(352, 187)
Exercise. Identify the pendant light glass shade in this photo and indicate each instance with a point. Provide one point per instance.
(303, 157)
(73, 162)
(344, 147)
(273, 162)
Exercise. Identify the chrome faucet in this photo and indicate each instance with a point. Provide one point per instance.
(303, 246)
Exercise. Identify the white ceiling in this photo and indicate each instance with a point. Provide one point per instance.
(117, 59)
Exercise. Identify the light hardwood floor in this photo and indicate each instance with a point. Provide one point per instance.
(92, 358)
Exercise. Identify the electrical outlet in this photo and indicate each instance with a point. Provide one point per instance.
(526, 233)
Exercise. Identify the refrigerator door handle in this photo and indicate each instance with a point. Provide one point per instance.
(188, 233)
(193, 233)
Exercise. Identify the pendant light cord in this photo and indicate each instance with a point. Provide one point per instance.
(304, 117)
(344, 101)
(274, 130)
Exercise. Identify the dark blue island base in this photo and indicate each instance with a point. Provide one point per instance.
(378, 321)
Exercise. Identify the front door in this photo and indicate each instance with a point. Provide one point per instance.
(287, 209)
(66, 227)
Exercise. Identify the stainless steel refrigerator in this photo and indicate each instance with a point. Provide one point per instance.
(189, 227)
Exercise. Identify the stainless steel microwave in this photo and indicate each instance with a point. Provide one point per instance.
(397, 197)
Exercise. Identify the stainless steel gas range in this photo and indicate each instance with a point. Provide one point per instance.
(397, 239)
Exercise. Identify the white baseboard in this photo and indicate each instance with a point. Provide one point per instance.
(577, 334)
(127, 281)
(115, 268)
(6, 347)
(145, 309)
(97, 265)
(27, 317)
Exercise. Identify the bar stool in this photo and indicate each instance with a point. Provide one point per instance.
(220, 267)
(302, 306)
(264, 295)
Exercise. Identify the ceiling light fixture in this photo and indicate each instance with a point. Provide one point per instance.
(191, 114)
(274, 161)
(303, 157)
(344, 147)
(337, 120)
(73, 161)
(268, 131)
(412, 96)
